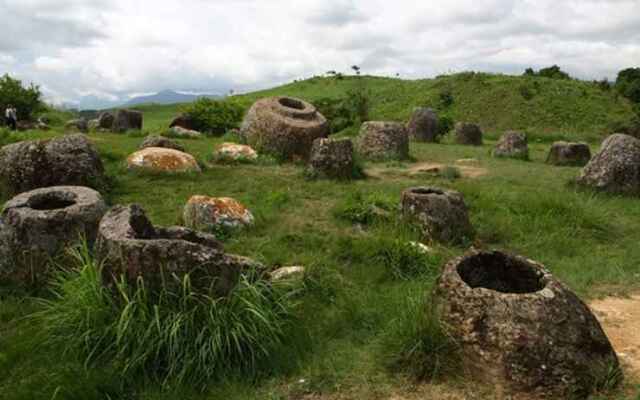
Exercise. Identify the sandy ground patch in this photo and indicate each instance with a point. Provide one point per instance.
(620, 319)
(466, 168)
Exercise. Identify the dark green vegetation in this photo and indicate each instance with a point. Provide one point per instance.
(26, 100)
(362, 312)
(214, 116)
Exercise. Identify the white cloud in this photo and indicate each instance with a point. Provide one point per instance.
(112, 49)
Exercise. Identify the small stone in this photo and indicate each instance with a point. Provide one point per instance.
(512, 145)
(210, 213)
(158, 159)
(380, 140)
(287, 273)
(469, 134)
(235, 152)
(566, 153)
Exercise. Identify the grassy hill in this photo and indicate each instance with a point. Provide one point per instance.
(360, 325)
(545, 108)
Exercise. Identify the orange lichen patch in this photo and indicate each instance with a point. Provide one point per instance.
(163, 160)
(620, 319)
(220, 205)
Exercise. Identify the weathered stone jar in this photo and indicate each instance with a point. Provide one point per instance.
(615, 168)
(129, 245)
(381, 140)
(520, 329)
(66, 160)
(331, 158)
(568, 153)
(40, 224)
(512, 145)
(423, 125)
(469, 134)
(284, 127)
(125, 120)
(442, 214)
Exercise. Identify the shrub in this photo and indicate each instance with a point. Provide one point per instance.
(365, 209)
(445, 124)
(7, 137)
(26, 100)
(214, 116)
(628, 84)
(446, 99)
(343, 113)
(553, 72)
(174, 336)
(415, 343)
(525, 92)
(449, 172)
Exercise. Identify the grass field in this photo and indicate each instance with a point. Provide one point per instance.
(356, 313)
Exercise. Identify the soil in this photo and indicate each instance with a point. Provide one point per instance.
(620, 319)
(467, 171)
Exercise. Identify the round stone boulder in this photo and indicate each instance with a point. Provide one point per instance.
(212, 213)
(181, 132)
(159, 159)
(512, 145)
(469, 134)
(442, 214)
(183, 121)
(106, 120)
(233, 152)
(80, 125)
(520, 329)
(284, 127)
(615, 168)
(126, 120)
(566, 153)
(129, 245)
(423, 125)
(332, 158)
(38, 225)
(66, 160)
(160, 141)
(380, 140)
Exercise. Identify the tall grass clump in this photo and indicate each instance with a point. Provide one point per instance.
(170, 335)
(366, 208)
(416, 343)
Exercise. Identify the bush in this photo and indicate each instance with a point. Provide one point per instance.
(174, 336)
(343, 113)
(628, 84)
(553, 72)
(214, 116)
(446, 99)
(445, 125)
(26, 100)
(7, 137)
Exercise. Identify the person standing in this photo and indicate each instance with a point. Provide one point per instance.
(11, 118)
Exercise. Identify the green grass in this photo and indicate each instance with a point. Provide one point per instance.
(364, 294)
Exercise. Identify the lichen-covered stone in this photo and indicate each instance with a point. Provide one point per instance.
(125, 120)
(332, 158)
(40, 224)
(520, 329)
(66, 160)
(159, 159)
(566, 153)
(423, 125)
(129, 245)
(160, 141)
(469, 134)
(212, 213)
(615, 168)
(512, 145)
(379, 140)
(181, 132)
(283, 127)
(442, 214)
(234, 152)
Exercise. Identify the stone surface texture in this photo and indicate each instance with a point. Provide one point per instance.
(379, 140)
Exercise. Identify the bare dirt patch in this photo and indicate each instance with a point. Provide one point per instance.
(620, 319)
(425, 168)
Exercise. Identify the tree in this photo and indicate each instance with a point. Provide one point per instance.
(553, 72)
(628, 84)
(27, 100)
(356, 68)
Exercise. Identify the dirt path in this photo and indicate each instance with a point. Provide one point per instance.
(620, 318)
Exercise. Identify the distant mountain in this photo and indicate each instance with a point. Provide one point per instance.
(167, 97)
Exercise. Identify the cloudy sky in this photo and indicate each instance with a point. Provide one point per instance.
(112, 49)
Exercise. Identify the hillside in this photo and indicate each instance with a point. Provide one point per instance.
(166, 97)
